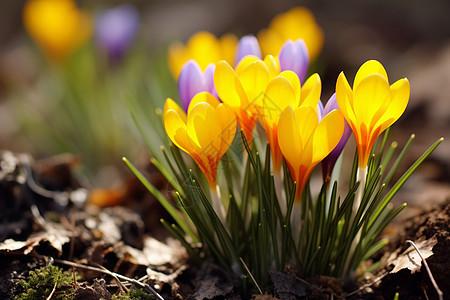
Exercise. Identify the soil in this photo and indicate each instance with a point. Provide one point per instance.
(434, 223)
(120, 239)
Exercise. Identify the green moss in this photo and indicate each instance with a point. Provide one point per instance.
(137, 294)
(40, 283)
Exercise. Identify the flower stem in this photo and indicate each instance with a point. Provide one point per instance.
(217, 204)
(279, 190)
(361, 177)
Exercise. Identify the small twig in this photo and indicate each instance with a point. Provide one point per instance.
(439, 292)
(140, 284)
(119, 283)
(251, 276)
(53, 291)
(367, 284)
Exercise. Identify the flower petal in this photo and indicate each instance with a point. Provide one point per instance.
(279, 95)
(227, 120)
(400, 91)
(170, 104)
(344, 97)
(248, 45)
(203, 129)
(176, 130)
(294, 56)
(289, 138)
(203, 97)
(311, 91)
(190, 82)
(370, 98)
(368, 68)
(254, 79)
(273, 65)
(326, 136)
(295, 82)
(228, 85)
(204, 48)
(306, 124)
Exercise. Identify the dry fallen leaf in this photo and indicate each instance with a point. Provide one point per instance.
(410, 259)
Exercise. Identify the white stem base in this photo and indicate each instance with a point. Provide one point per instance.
(217, 205)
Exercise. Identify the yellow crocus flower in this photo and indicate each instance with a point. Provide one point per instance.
(58, 27)
(372, 106)
(304, 141)
(243, 89)
(282, 91)
(205, 133)
(204, 48)
(297, 23)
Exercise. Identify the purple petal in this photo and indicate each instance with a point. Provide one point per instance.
(190, 82)
(320, 110)
(116, 28)
(294, 56)
(331, 104)
(208, 77)
(329, 161)
(248, 45)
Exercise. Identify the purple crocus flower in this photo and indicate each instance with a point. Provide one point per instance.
(193, 80)
(248, 45)
(329, 161)
(116, 28)
(294, 56)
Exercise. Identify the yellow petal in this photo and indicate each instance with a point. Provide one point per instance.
(228, 86)
(176, 130)
(344, 97)
(254, 79)
(307, 121)
(203, 97)
(295, 82)
(326, 136)
(57, 26)
(370, 98)
(311, 91)
(289, 137)
(273, 64)
(399, 100)
(228, 43)
(203, 129)
(270, 41)
(368, 68)
(204, 48)
(279, 95)
(176, 56)
(227, 120)
(170, 104)
(245, 62)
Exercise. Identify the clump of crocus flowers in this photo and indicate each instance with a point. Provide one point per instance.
(256, 130)
(58, 27)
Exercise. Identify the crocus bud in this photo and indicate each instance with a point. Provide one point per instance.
(294, 56)
(116, 28)
(193, 80)
(248, 45)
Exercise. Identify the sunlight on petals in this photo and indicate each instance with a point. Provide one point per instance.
(206, 133)
(304, 141)
(372, 105)
(204, 48)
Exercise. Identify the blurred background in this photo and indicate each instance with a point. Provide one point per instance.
(75, 100)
